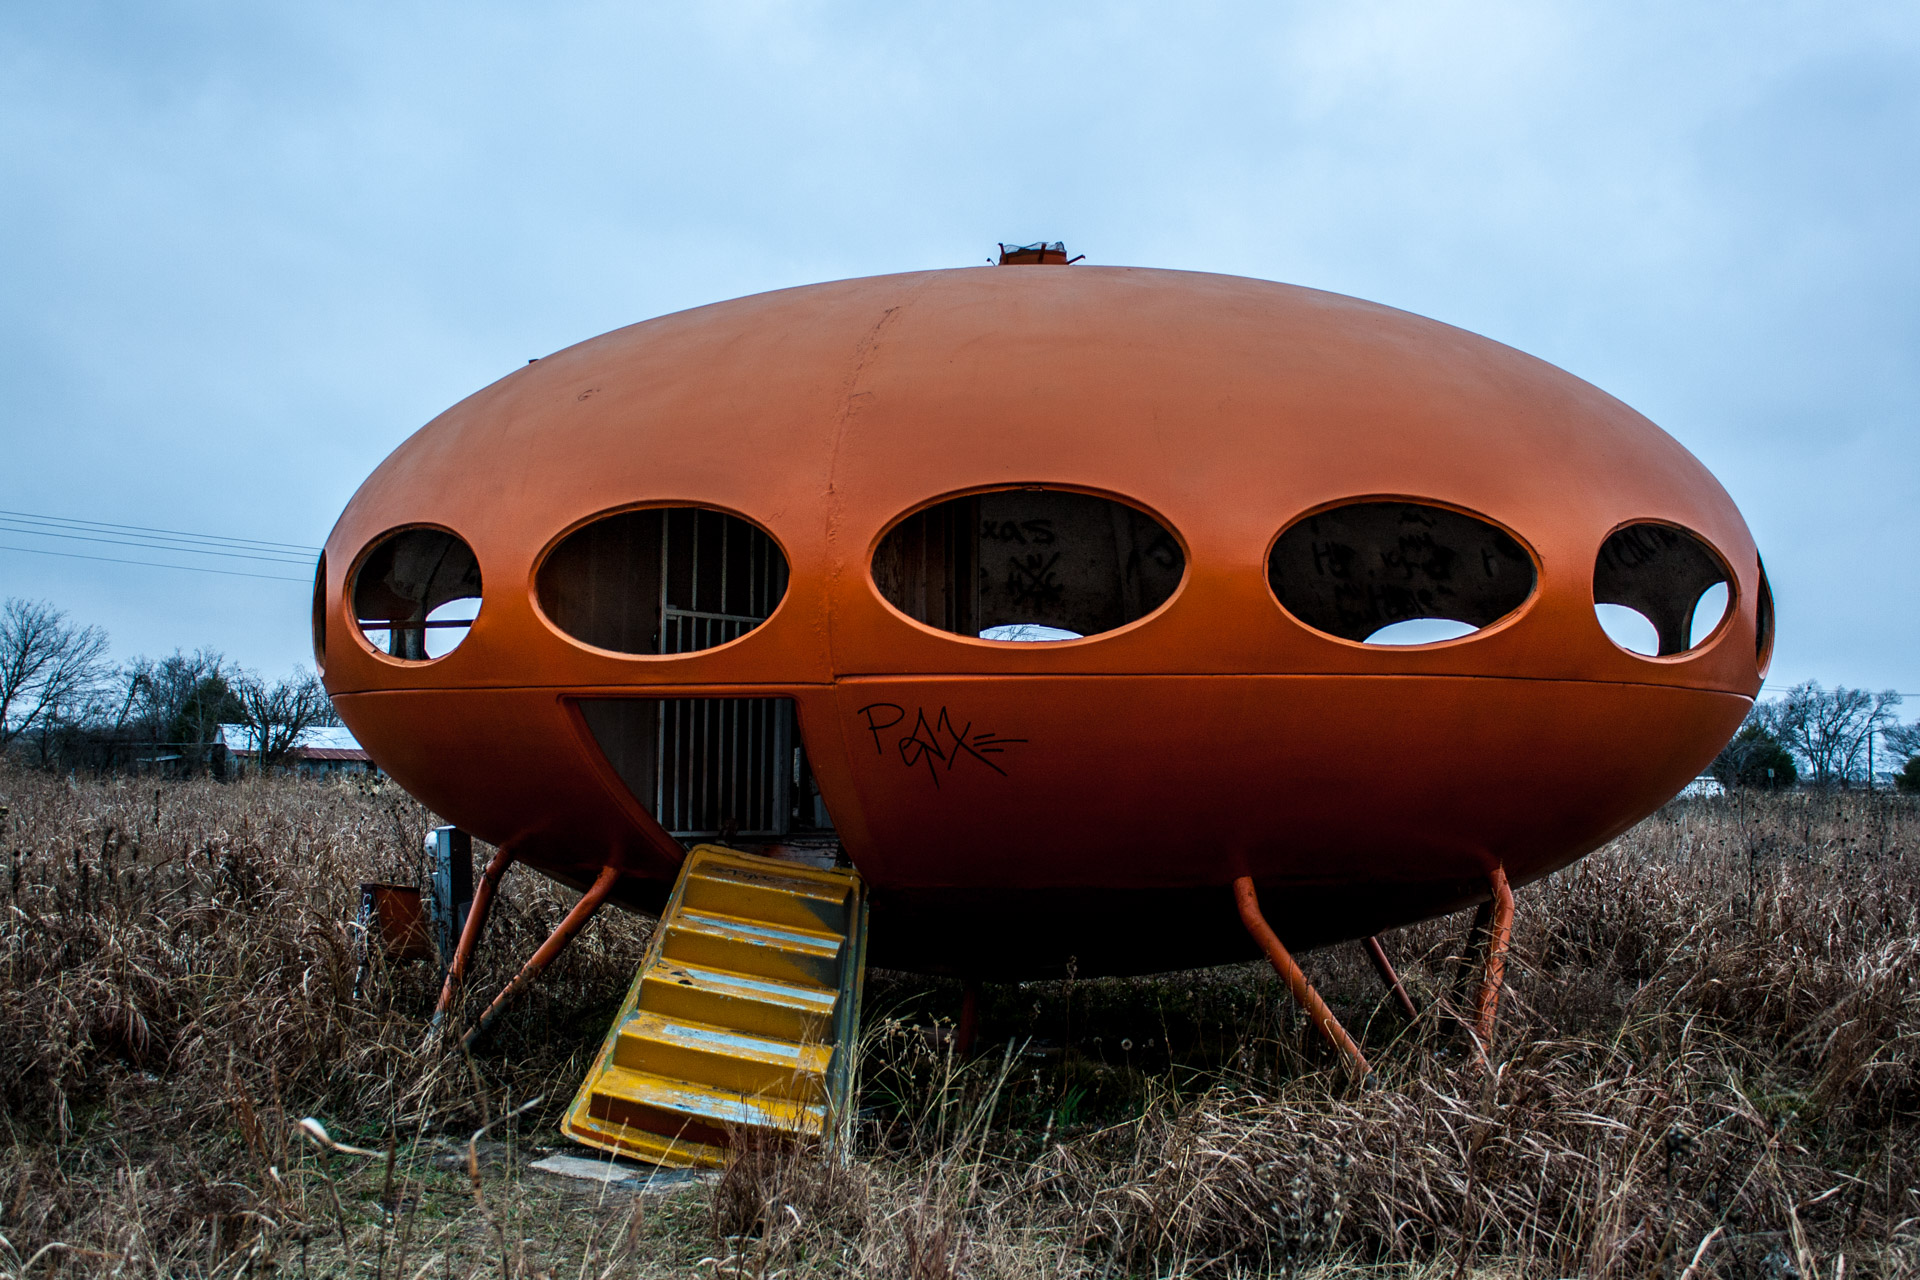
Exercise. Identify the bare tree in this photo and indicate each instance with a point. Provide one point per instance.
(1832, 729)
(46, 663)
(1903, 740)
(68, 716)
(181, 699)
(277, 714)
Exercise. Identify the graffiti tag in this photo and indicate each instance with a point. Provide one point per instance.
(936, 744)
(1030, 580)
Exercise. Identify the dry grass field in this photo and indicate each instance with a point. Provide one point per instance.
(1708, 1066)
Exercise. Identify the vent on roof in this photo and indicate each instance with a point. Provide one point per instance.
(1042, 254)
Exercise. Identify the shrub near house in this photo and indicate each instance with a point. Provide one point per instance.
(1755, 758)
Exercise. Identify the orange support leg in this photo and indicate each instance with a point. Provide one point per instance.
(1473, 953)
(1303, 993)
(1384, 967)
(1499, 931)
(470, 932)
(556, 943)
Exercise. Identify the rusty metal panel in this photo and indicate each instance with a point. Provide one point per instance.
(396, 921)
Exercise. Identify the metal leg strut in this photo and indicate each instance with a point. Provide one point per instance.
(1303, 993)
(1500, 929)
(470, 932)
(1384, 967)
(556, 942)
(1473, 954)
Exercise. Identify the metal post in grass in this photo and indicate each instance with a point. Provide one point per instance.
(450, 861)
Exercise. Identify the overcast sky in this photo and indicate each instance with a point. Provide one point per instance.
(247, 252)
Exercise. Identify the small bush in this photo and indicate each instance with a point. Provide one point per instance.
(1755, 759)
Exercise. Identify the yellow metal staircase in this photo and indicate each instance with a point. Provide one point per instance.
(744, 1014)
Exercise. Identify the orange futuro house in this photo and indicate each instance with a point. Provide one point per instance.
(1057, 600)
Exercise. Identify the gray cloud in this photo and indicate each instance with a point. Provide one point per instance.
(251, 250)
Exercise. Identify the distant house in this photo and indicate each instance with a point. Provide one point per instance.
(322, 749)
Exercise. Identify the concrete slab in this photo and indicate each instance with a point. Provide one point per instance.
(622, 1175)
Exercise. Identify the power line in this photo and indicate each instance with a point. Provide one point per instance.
(8, 525)
(153, 564)
(216, 538)
(148, 538)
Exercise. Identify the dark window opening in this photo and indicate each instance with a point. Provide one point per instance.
(1028, 565)
(666, 580)
(711, 767)
(1763, 626)
(320, 613)
(1660, 591)
(1399, 573)
(417, 593)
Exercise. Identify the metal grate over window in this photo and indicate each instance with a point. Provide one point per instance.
(703, 767)
(661, 581)
(672, 580)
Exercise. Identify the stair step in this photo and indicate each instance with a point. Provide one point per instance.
(743, 1016)
(735, 1061)
(779, 952)
(652, 1115)
(752, 893)
(738, 1001)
